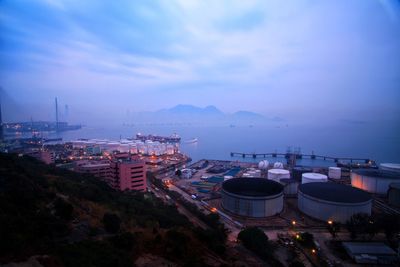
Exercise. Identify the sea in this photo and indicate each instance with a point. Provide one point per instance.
(377, 141)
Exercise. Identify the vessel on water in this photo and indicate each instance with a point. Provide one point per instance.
(162, 139)
(191, 141)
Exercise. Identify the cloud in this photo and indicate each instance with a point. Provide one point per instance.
(221, 52)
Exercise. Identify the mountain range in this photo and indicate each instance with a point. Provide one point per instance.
(190, 114)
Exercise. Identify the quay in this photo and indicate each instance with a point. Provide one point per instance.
(298, 156)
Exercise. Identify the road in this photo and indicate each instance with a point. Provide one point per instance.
(191, 217)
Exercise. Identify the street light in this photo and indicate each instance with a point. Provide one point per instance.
(330, 222)
(293, 222)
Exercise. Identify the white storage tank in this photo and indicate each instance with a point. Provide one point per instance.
(312, 177)
(263, 165)
(393, 167)
(278, 174)
(334, 172)
(278, 165)
(373, 180)
(289, 186)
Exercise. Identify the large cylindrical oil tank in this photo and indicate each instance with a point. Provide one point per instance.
(334, 172)
(394, 194)
(332, 201)
(393, 167)
(373, 180)
(278, 174)
(252, 197)
(312, 177)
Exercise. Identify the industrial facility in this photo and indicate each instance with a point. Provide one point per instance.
(311, 177)
(278, 174)
(252, 197)
(393, 167)
(332, 201)
(373, 180)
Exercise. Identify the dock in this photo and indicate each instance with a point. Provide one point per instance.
(299, 156)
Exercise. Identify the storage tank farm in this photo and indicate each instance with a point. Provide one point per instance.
(376, 181)
(334, 173)
(394, 194)
(252, 197)
(311, 177)
(332, 201)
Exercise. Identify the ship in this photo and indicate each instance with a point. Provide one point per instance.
(162, 139)
(191, 141)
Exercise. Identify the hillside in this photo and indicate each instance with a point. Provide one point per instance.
(66, 219)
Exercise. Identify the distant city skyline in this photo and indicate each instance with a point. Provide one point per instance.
(303, 60)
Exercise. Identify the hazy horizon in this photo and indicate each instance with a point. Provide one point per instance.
(303, 61)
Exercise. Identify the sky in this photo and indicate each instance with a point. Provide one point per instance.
(296, 60)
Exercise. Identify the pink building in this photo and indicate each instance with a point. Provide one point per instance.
(131, 174)
(122, 174)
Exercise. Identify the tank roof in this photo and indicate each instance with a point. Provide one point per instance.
(378, 173)
(335, 192)
(255, 187)
(395, 185)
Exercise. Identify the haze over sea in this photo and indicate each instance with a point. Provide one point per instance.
(345, 139)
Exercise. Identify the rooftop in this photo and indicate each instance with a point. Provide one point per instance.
(372, 248)
(255, 187)
(335, 192)
(378, 173)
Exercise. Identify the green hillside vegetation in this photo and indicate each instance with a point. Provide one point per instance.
(78, 220)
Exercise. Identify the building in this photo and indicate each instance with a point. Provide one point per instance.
(371, 253)
(130, 175)
(332, 201)
(252, 197)
(99, 169)
(42, 155)
(373, 180)
(120, 174)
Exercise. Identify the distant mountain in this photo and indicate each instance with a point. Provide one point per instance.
(189, 114)
(190, 109)
(248, 115)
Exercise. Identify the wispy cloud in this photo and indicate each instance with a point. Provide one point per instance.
(262, 54)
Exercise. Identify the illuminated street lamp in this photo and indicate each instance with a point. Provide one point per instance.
(293, 222)
(330, 222)
(313, 251)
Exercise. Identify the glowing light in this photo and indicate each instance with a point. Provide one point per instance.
(214, 210)
(313, 251)
(293, 222)
(297, 236)
(330, 222)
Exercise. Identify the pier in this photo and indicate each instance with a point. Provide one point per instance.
(299, 156)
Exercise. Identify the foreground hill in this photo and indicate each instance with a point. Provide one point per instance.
(67, 219)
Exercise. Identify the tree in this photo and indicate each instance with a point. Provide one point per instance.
(111, 222)
(306, 239)
(390, 224)
(334, 228)
(256, 240)
(63, 209)
(357, 224)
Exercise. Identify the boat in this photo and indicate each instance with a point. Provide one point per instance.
(191, 141)
(162, 139)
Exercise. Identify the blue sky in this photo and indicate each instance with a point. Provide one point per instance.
(333, 59)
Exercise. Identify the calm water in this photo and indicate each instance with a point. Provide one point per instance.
(375, 141)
